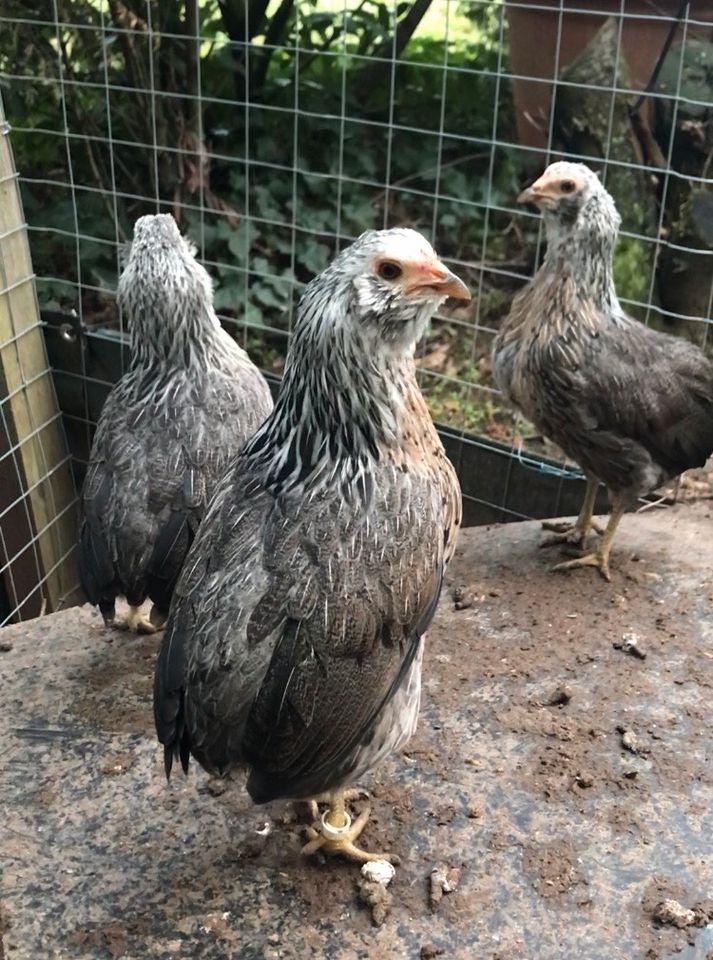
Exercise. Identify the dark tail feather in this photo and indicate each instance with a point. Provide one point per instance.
(168, 703)
(185, 753)
(167, 559)
(177, 748)
(96, 569)
(168, 761)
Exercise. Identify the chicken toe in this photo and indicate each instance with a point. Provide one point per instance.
(575, 533)
(336, 832)
(598, 559)
(136, 622)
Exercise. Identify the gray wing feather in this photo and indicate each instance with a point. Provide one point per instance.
(304, 731)
(639, 406)
(156, 460)
(290, 631)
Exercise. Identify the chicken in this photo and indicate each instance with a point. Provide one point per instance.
(294, 643)
(633, 407)
(168, 430)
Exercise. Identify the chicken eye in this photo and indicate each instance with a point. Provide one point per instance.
(388, 270)
(568, 186)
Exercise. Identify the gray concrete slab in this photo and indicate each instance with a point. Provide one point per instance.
(565, 823)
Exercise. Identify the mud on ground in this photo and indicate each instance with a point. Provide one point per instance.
(561, 780)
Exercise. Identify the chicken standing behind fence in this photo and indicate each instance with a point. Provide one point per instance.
(633, 407)
(168, 429)
(295, 638)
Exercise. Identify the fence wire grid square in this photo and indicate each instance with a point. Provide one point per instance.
(276, 131)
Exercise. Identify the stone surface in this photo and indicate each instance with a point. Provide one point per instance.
(563, 842)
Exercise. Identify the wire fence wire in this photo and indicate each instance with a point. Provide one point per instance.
(276, 132)
(37, 499)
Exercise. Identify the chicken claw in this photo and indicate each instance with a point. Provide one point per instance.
(335, 833)
(598, 560)
(311, 807)
(575, 533)
(568, 533)
(136, 622)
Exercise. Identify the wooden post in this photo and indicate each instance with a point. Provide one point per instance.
(37, 496)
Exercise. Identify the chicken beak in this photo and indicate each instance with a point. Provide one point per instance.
(539, 192)
(452, 286)
(439, 278)
(528, 196)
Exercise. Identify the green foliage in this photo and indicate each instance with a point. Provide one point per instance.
(271, 150)
(274, 140)
(286, 176)
(632, 270)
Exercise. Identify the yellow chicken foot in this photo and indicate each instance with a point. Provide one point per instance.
(600, 558)
(336, 832)
(576, 533)
(136, 622)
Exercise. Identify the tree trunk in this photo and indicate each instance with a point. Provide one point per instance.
(374, 76)
(273, 35)
(243, 20)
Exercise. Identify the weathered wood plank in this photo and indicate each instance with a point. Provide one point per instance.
(38, 532)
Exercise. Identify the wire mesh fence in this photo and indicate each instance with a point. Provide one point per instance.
(37, 528)
(277, 131)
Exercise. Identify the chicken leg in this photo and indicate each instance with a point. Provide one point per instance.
(336, 832)
(136, 622)
(575, 534)
(600, 557)
(311, 806)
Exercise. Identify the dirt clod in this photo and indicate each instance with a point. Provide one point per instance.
(429, 951)
(463, 598)
(377, 898)
(560, 696)
(674, 913)
(630, 643)
(444, 879)
(629, 740)
(6, 646)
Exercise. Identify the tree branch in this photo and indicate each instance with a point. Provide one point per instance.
(273, 34)
(242, 20)
(392, 48)
(405, 29)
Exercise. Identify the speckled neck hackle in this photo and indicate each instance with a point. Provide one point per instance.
(167, 297)
(348, 390)
(581, 234)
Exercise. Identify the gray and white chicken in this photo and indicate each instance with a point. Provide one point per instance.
(168, 430)
(633, 407)
(294, 643)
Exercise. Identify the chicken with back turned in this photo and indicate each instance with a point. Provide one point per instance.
(168, 430)
(633, 407)
(293, 648)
